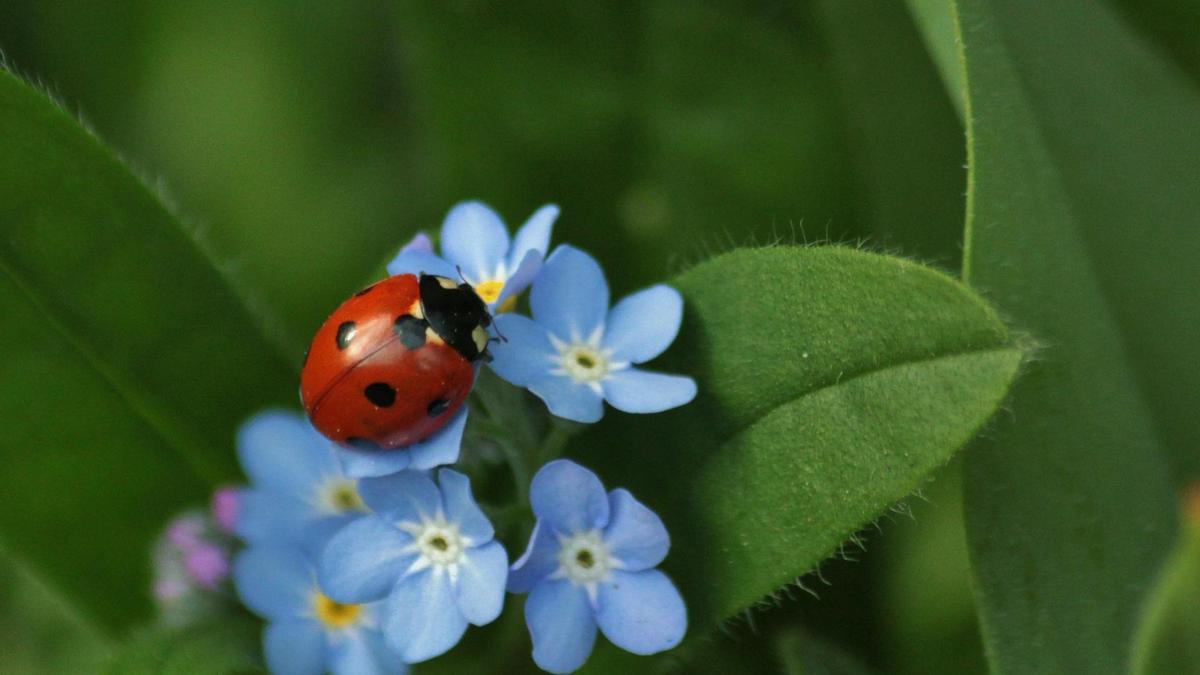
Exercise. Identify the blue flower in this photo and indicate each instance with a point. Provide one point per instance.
(475, 241)
(430, 551)
(439, 449)
(298, 493)
(307, 632)
(590, 563)
(576, 353)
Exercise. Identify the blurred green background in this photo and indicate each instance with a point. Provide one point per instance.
(305, 141)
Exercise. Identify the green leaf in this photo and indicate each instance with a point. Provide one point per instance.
(129, 361)
(832, 381)
(1167, 640)
(617, 112)
(1083, 226)
(801, 653)
(904, 141)
(227, 647)
(936, 21)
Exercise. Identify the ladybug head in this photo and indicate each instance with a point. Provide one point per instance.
(457, 314)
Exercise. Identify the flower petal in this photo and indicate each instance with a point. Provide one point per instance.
(442, 447)
(642, 391)
(462, 509)
(421, 262)
(475, 238)
(281, 451)
(643, 325)
(481, 580)
(525, 354)
(363, 560)
(560, 622)
(363, 652)
(538, 562)
(276, 583)
(420, 242)
(272, 518)
(295, 647)
(423, 619)
(534, 235)
(371, 463)
(569, 399)
(641, 612)
(635, 534)
(568, 498)
(521, 276)
(408, 496)
(570, 295)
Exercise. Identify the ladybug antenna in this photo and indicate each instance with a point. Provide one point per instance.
(462, 277)
(499, 336)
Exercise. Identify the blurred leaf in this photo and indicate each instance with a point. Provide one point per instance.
(1173, 25)
(130, 361)
(904, 139)
(803, 654)
(1167, 641)
(1084, 226)
(42, 633)
(832, 382)
(929, 606)
(935, 20)
(228, 647)
(664, 130)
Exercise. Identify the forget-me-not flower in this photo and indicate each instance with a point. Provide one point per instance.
(307, 632)
(476, 242)
(576, 353)
(439, 449)
(428, 549)
(591, 563)
(298, 493)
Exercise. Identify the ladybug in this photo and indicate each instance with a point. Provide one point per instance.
(394, 363)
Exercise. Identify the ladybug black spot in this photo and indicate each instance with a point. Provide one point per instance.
(345, 334)
(411, 330)
(364, 444)
(381, 394)
(438, 406)
(364, 291)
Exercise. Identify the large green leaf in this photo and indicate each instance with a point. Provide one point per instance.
(128, 360)
(1083, 225)
(226, 647)
(1166, 642)
(904, 141)
(832, 383)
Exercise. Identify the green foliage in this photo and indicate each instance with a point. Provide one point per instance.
(121, 336)
(1167, 641)
(904, 140)
(601, 106)
(802, 654)
(1081, 226)
(815, 414)
(228, 647)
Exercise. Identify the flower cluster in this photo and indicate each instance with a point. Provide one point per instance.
(192, 562)
(367, 560)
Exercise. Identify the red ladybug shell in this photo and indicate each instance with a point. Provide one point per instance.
(377, 375)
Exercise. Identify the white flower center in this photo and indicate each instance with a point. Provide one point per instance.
(340, 495)
(438, 544)
(585, 363)
(585, 360)
(583, 559)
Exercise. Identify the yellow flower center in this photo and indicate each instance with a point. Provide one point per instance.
(335, 614)
(489, 291)
(341, 496)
